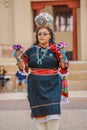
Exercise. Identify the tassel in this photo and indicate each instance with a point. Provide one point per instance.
(64, 94)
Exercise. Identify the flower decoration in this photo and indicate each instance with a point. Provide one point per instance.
(17, 47)
(61, 45)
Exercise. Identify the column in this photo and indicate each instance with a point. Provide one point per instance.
(23, 23)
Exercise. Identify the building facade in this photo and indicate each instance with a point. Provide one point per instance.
(70, 23)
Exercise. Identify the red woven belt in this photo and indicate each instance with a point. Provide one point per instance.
(44, 71)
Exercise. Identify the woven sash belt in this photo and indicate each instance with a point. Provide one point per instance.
(44, 71)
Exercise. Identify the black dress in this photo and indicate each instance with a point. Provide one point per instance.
(44, 91)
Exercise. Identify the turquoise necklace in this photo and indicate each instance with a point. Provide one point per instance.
(39, 60)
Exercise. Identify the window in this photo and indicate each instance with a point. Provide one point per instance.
(63, 19)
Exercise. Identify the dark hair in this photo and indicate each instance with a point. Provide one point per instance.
(3, 71)
(51, 33)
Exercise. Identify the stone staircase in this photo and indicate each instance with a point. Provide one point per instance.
(78, 75)
(11, 68)
(77, 78)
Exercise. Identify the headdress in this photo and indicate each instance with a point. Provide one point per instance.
(44, 20)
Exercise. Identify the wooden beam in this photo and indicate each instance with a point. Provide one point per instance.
(41, 4)
(75, 55)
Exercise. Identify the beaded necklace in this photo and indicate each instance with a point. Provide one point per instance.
(39, 60)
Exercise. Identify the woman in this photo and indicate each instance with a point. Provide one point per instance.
(44, 83)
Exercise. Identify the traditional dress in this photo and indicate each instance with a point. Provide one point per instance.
(44, 83)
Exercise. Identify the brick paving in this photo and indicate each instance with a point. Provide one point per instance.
(15, 115)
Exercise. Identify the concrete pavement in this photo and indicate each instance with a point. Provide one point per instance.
(21, 95)
(15, 112)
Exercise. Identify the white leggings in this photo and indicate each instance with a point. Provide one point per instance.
(49, 125)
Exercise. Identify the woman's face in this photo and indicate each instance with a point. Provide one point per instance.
(43, 36)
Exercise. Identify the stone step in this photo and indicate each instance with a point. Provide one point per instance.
(10, 64)
(78, 65)
(77, 75)
(11, 69)
(7, 60)
(77, 85)
(73, 85)
(10, 87)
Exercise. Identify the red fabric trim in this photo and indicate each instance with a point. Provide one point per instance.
(64, 94)
(63, 71)
(54, 48)
(44, 71)
(26, 60)
(40, 116)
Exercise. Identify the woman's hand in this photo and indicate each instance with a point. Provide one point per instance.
(18, 55)
(20, 65)
(64, 64)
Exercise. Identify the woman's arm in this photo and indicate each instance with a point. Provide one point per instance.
(22, 63)
(64, 63)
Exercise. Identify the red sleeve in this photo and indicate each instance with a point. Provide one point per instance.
(64, 71)
(54, 48)
(26, 61)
